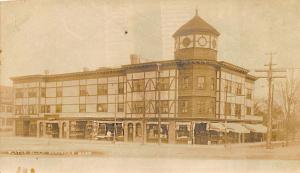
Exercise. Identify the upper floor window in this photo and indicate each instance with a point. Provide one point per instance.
(163, 83)
(58, 108)
(121, 88)
(238, 89)
(32, 92)
(183, 106)
(185, 82)
(120, 107)
(83, 90)
(249, 93)
(19, 109)
(202, 107)
(138, 85)
(212, 83)
(238, 109)
(102, 107)
(2, 108)
(9, 108)
(82, 108)
(45, 108)
(227, 110)
(228, 86)
(102, 89)
(32, 110)
(248, 111)
(19, 93)
(138, 107)
(59, 92)
(163, 106)
(43, 92)
(201, 82)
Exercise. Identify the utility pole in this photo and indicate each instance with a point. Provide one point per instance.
(158, 103)
(270, 78)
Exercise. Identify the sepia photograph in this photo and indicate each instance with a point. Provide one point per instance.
(144, 86)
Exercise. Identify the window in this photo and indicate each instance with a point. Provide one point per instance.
(102, 89)
(212, 83)
(138, 85)
(138, 130)
(59, 92)
(228, 86)
(83, 90)
(183, 131)
(185, 82)
(43, 92)
(238, 110)
(138, 107)
(120, 107)
(163, 106)
(32, 92)
(121, 88)
(212, 107)
(201, 82)
(202, 108)
(163, 83)
(82, 108)
(102, 107)
(19, 109)
(183, 106)
(249, 93)
(227, 109)
(31, 110)
(238, 89)
(19, 93)
(9, 109)
(45, 108)
(58, 108)
(248, 110)
(2, 108)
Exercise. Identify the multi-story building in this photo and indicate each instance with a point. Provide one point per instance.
(6, 111)
(192, 99)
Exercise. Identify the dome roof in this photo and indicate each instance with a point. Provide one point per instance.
(195, 25)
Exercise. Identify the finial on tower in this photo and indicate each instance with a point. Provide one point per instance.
(196, 12)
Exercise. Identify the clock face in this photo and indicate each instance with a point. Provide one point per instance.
(186, 42)
(202, 41)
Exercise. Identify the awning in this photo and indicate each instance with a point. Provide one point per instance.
(257, 128)
(237, 128)
(219, 127)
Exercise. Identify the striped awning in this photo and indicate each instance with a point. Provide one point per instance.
(237, 128)
(257, 128)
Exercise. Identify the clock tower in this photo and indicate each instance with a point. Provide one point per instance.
(196, 40)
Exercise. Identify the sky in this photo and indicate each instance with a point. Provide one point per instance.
(68, 35)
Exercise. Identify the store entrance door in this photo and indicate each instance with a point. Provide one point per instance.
(130, 132)
(201, 135)
(52, 129)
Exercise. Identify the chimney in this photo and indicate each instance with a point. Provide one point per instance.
(134, 59)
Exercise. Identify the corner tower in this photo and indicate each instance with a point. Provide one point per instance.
(196, 40)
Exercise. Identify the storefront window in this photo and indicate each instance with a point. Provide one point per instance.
(183, 131)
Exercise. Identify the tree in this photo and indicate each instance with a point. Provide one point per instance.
(289, 100)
